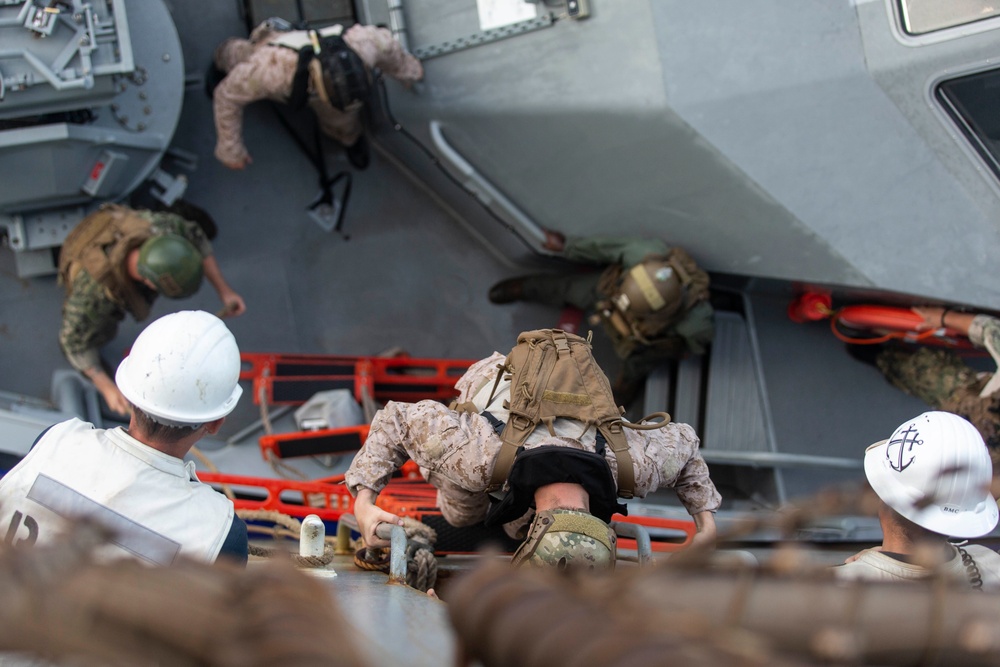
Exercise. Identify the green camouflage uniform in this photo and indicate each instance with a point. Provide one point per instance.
(689, 335)
(941, 379)
(91, 315)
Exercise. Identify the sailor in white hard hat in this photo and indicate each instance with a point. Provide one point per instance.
(181, 379)
(933, 478)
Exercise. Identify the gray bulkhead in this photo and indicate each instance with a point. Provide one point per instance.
(788, 140)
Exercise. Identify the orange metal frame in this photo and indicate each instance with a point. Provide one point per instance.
(409, 496)
(292, 497)
(310, 443)
(283, 379)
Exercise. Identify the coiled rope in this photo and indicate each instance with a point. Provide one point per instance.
(421, 565)
(284, 527)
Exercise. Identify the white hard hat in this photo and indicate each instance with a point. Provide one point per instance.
(935, 471)
(183, 368)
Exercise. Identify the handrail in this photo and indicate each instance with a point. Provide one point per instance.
(397, 549)
(387, 531)
(640, 535)
(485, 191)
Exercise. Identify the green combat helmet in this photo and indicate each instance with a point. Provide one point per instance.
(171, 263)
(568, 539)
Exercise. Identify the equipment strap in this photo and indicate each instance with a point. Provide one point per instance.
(600, 442)
(494, 422)
(578, 524)
(502, 464)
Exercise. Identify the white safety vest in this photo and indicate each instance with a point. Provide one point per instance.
(875, 566)
(153, 503)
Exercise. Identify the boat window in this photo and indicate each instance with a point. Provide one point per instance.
(923, 16)
(972, 102)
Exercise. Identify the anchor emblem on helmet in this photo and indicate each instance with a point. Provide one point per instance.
(899, 451)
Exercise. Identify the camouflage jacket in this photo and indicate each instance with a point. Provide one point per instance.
(257, 70)
(985, 332)
(90, 315)
(456, 451)
(940, 378)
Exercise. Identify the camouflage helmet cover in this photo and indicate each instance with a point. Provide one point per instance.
(568, 539)
(172, 264)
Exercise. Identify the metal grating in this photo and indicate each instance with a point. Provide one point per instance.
(735, 420)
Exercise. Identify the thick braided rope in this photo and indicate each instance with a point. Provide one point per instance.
(284, 527)
(421, 565)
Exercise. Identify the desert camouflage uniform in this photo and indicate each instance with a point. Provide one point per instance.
(456, 451)
(257, 70)
(942, 380)
(90, 314)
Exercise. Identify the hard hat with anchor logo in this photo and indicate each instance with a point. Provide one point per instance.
(935, 471)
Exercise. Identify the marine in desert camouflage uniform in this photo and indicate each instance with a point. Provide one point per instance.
(91, 313)
(257, 70)
(941, 379)
(456, 452)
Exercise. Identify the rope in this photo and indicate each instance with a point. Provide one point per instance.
(421, 565)
(372, 558)
(876, 340)
(279, 467)
(284, 527)
(226, 489)
(265, 417)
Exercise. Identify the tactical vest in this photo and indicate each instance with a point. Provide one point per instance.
(554, 375)
(100, 245)
(337, 74)
(639, 308)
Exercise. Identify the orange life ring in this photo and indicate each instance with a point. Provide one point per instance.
(892, 322)
(879, 317)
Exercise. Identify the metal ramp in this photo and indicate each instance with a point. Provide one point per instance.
(724, 396)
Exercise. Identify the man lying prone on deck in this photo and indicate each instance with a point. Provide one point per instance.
(559, 463)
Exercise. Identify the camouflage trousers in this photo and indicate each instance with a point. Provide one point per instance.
(942, 380)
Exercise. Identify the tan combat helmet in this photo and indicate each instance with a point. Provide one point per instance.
(568, 539)
(652, 286)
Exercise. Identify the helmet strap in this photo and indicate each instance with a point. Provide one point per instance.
(541, 524)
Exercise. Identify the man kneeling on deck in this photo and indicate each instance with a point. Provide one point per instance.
(537, 439)
(932, 477)
(181, 379)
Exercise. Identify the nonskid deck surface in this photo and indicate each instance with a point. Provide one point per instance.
(390, 623)
(407, 272)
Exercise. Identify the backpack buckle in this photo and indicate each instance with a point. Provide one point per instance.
(520, 422)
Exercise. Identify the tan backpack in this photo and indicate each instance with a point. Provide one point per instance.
(554, 374)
